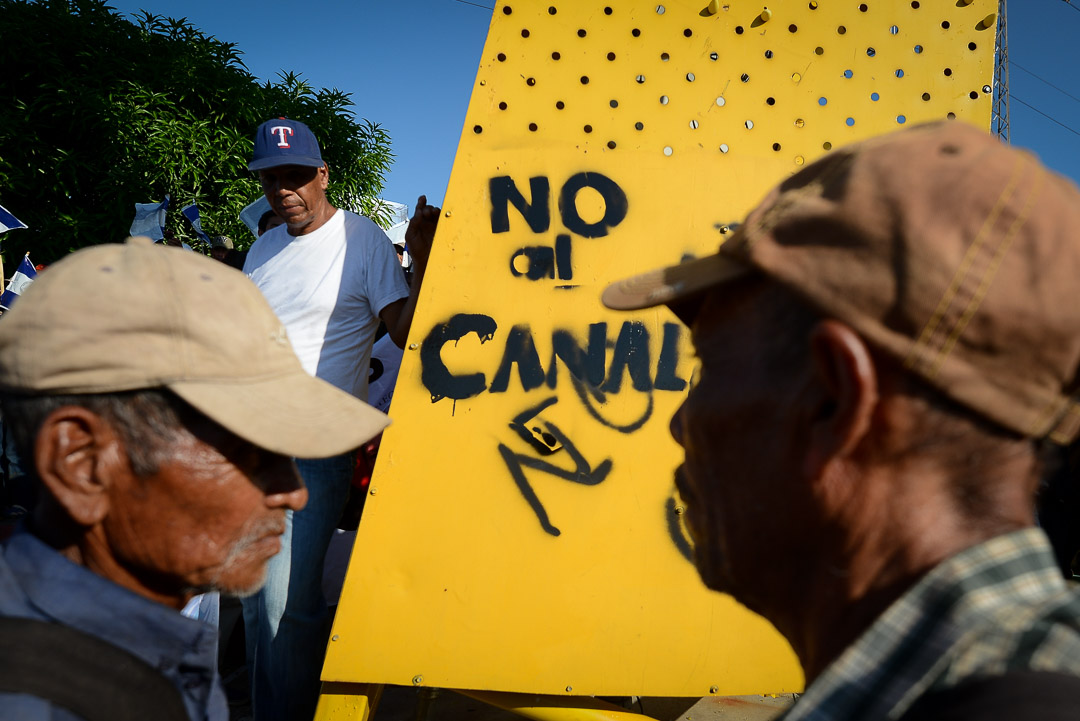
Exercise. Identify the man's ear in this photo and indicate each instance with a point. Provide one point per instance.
(73, 447)
(324, 176)
(844, 370)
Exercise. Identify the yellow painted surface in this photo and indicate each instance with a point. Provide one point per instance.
(552, 708)
(347, 702)
(458, 580)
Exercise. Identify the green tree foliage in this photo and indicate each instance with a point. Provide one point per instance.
(98, 113)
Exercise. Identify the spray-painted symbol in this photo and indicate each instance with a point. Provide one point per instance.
(546, 438)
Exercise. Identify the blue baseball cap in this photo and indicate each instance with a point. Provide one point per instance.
(285, 142)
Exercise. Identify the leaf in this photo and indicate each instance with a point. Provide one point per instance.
(111, 112)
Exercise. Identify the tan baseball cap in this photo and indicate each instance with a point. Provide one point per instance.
(943, 247)
(129, 316)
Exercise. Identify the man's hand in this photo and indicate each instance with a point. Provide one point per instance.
(421, 231)
(418, 236)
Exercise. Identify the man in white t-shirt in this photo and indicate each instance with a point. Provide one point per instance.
(331, 276)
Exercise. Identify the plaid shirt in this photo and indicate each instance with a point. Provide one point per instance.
(998, 606)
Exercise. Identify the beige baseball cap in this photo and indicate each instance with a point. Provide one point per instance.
(129, 316)
(943, 247)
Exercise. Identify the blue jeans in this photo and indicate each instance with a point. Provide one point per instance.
(285, 622)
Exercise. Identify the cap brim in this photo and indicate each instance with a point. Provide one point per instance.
(667, 286)
(278, 161)
(295, 414)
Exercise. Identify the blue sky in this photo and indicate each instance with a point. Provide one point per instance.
(410, 65)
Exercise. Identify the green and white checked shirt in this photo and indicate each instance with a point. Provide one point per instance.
(1001, 605)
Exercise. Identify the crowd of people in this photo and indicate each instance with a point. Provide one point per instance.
(887, 352)
(325, 280)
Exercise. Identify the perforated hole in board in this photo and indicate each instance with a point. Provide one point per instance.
(899, 66)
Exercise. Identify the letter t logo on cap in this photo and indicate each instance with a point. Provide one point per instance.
(281, 130)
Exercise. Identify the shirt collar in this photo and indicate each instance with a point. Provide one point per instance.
(907, 647)
(74, 596)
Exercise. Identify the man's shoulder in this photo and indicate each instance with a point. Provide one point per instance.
(22, 558)
(277, 235)
(39, 658)
(270, 237)
(371, 249)
(997, 608)
(1037, 634)
(361, 224)
(1016, 612)
(271, 245)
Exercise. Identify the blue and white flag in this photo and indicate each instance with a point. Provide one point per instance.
(20, 279)
(9, 221)
(150, 219)
(191, 212)
(252, 212)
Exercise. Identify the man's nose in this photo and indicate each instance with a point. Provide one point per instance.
(286, 488)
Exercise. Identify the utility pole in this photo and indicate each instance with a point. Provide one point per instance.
(999, 122)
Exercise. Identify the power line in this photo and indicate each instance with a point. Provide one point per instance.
(1069, 3)
(1037, 77)
(1054, 120)
(475, 5)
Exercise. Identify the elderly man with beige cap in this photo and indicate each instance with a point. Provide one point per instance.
(885, 345)
(162, 436)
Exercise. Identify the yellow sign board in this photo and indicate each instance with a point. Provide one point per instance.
(522, 532)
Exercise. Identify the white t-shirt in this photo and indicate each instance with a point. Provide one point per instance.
(328, 288)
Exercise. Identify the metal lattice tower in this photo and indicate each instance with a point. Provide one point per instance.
(999, 124)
